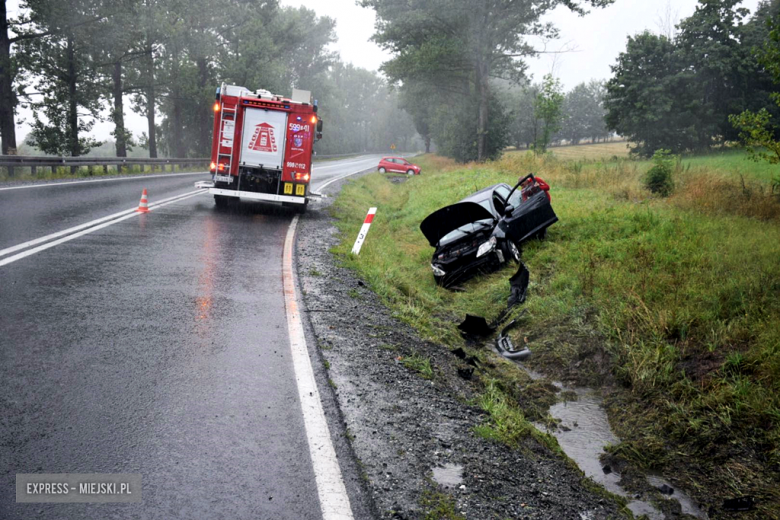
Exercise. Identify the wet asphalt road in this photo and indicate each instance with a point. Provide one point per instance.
(157, 345)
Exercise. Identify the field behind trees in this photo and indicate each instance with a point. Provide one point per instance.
(669, 304)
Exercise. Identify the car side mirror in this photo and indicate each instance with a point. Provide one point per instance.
(319, 125)
(508, 210)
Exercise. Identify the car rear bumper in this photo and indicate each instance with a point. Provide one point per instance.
(250, 195)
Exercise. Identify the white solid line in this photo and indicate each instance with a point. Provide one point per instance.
(319, 190)
(334, 501)
(47, 184)
(46, 246)
(91, 223)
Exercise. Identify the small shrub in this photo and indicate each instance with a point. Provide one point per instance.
(659, 178)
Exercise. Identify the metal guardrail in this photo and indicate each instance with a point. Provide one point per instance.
(35, 162)
(10, 162)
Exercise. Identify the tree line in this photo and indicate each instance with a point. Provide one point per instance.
(541, 114)
(73, 61)
(459, 67)
(679, 92)
(450, 59)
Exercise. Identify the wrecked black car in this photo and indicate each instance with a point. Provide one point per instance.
(483, 231)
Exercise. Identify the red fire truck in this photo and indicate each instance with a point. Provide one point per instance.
(262, 146)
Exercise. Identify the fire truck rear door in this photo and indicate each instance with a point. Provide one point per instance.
(263, 138)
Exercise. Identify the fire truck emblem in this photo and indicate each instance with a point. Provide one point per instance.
(263, 139)
(298, 141)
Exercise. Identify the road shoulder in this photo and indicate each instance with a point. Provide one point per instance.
(400, 426)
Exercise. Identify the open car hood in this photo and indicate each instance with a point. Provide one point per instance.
(449, 218)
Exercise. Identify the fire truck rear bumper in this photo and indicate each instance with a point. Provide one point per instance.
(249, 195)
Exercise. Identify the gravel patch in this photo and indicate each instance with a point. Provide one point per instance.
(404, 429)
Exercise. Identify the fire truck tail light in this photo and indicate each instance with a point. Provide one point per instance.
(216, 106)
(314, 120)
(221, 167)
(213, 166)
(302, 177)
(306, 177)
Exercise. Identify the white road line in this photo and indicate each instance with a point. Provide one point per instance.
(47, 184)
(68, 238)
(319, 190)
(334, 501)
(68, 231)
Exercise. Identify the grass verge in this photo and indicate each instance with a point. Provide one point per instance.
(674, 303)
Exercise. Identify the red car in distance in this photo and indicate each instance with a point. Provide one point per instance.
(397, 165)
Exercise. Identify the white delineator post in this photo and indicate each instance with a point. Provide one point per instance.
(364, 231)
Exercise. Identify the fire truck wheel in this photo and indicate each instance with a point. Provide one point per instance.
(382, 170)
(301, 208)
(221, 201)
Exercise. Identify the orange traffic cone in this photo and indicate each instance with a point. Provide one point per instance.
(143, 206)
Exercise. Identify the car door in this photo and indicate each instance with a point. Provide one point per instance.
(530, 216)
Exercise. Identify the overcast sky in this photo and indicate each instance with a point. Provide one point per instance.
(598, 37)
(595, 39)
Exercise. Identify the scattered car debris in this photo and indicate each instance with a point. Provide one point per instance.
(477, 326)
(666, 489)
(518, 286)
(483, 231)
(505, 346)
(739, 504)
(466, 372)
(459, 353)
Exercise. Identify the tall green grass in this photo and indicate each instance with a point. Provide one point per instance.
(675, 301)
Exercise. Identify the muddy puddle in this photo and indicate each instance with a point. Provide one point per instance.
(583, 433)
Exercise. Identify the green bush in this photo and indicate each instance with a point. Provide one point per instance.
(659, 178)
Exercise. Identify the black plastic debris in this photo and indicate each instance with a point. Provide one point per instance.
(607, 469)
(466, 372)
(507, 348)
(738, 504)
(518, 286)
(459, 353)
(476, 326)
(666, 489)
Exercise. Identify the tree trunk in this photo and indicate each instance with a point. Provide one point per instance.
(427, 144)
(7, 98)
(73, 116)
(204, 115)
(482, 99)
(151, 101)
(177, 145)
(119, 115)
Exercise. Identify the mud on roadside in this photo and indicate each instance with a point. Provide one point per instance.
(401, 425)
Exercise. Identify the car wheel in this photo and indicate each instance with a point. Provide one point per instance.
(513, 250)
(541, 235)
(410, 172)
(382, 170)
(221, 201)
